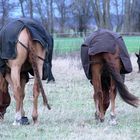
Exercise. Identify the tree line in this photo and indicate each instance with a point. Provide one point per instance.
(81, 16)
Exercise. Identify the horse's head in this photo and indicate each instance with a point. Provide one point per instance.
(138, 59)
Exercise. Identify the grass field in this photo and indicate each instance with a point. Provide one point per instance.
(66, 45)
(72, 114)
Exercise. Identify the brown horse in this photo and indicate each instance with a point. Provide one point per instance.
(30, 55)
(103, 64)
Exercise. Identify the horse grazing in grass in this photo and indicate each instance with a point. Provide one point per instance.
(24, 45)
(104, 59)
(138, 60)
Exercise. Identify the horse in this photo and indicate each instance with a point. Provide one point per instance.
(104, 58)
(138, 60)
(25, 45)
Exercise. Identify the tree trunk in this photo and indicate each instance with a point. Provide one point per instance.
(127, 16)
(135, 16)
(31, 8)
(51, 17)
(22, 8)
(106, 14)
(102, 18)
(4, 12)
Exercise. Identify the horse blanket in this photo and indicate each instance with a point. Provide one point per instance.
(100, 41)
(9, 37)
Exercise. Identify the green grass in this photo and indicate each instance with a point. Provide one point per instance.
(132, 43)
(67, 45)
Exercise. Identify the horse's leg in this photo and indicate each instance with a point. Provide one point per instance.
(39, 52)
(114, 60)
(23, 82)
(9, 80)
(35, 101)
(98, 94)
(113, 93)
(15, 65)
(16, 89)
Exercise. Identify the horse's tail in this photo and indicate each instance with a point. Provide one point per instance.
(123, 91)
(105, 80)
(33, 58)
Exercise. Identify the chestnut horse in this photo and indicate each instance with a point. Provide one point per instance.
(106, 79)
(103, 63)
(30, 55)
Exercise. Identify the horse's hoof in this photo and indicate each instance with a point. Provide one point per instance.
(36, 123)
(102, 120)
(22, 121)
(1, 120)
(96, 116)
(113, 122)
(34, 119)
(1, 116)
(16, 123)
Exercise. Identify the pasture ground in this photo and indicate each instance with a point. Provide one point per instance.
(67, 45)
(72, 114)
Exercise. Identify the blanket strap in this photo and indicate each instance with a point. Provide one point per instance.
(100, 62)
(95, 62)
(28, 49)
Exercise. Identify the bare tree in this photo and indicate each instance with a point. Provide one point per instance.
(118, 11)
(127, 16)
(61, 6)
(101, 11)
(31, 8)
(22, 7)
(27, 8)
(135, 16)
(4, 4)
(76, 14)
(50, 15)
(82, 12)
(45, 12)
(132, 16)
(97, 12)
(38, 4)
(106, 14)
